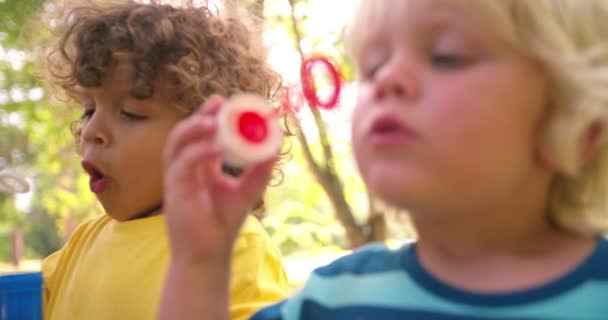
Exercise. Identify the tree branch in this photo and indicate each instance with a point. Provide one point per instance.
(326, 175)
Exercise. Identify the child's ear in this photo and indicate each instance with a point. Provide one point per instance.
(591, 141)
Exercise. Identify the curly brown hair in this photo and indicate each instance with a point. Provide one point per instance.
(198, 52)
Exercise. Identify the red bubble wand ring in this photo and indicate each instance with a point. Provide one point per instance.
(250, 130)
(308, 86)
(294, 99)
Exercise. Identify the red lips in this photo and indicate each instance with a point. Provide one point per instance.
(98, 182)
(388, 131)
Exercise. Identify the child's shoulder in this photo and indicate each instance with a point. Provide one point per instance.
(252, 226)
(86, 228)
(253, 242)
(348, 282)
(372, 258)
(51, 263)
(597, 264)
(252, 233)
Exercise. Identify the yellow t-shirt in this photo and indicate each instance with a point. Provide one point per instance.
(116, 270)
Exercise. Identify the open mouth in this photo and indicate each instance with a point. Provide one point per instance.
(388, 130)
(386, 126)
(98, 181)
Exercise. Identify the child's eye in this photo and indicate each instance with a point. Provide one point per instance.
(448, 61)
(132, 116)
(370, 73)
(371, 62)
(87, 114)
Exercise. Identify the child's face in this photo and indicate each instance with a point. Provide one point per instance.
(123, 139)
(448, 114)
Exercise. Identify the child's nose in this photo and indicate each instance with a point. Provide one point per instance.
(94, 131)
(392, 90)
(396, 79)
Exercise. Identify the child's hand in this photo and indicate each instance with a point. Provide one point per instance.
(205, 207)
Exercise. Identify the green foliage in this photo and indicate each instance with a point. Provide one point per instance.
(7, 208)
(41, 234)
(5, 243)
(13, 15)
(300, 217)
(35, 137)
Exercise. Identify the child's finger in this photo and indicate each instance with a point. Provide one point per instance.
(195, 128)
(212, 105)
(185, 167)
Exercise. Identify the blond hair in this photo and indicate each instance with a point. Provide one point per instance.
(568, 38)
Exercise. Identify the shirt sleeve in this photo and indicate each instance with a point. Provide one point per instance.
(288, 309)
(48, 267)
(258, 278)
(53, 266)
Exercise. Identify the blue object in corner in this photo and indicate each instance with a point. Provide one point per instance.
(21, 296)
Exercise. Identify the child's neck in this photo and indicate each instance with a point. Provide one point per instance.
(500, 255)
(153, 211)
(508, 224)
(479, 236)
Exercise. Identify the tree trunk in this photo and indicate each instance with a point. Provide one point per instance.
(16, 246)
(375, 227)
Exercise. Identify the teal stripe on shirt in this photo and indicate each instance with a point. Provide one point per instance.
(378, 281)
(397, 290)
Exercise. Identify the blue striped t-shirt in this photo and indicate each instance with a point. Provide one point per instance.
(378, 283)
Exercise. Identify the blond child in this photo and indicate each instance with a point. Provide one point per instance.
(485, 119)
(138, 71)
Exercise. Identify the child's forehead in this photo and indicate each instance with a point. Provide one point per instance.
(116, 80)
(381, 19)
(401, 16)
(118, 83)
(386, 18)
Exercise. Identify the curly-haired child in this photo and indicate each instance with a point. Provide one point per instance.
(138, 71)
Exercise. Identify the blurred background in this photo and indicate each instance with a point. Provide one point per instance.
(319, 211)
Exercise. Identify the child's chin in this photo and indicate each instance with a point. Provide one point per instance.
(392, 198)
(393, 190)
(381, 189)
(114, 213)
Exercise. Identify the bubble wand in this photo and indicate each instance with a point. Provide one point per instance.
(249, 127)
